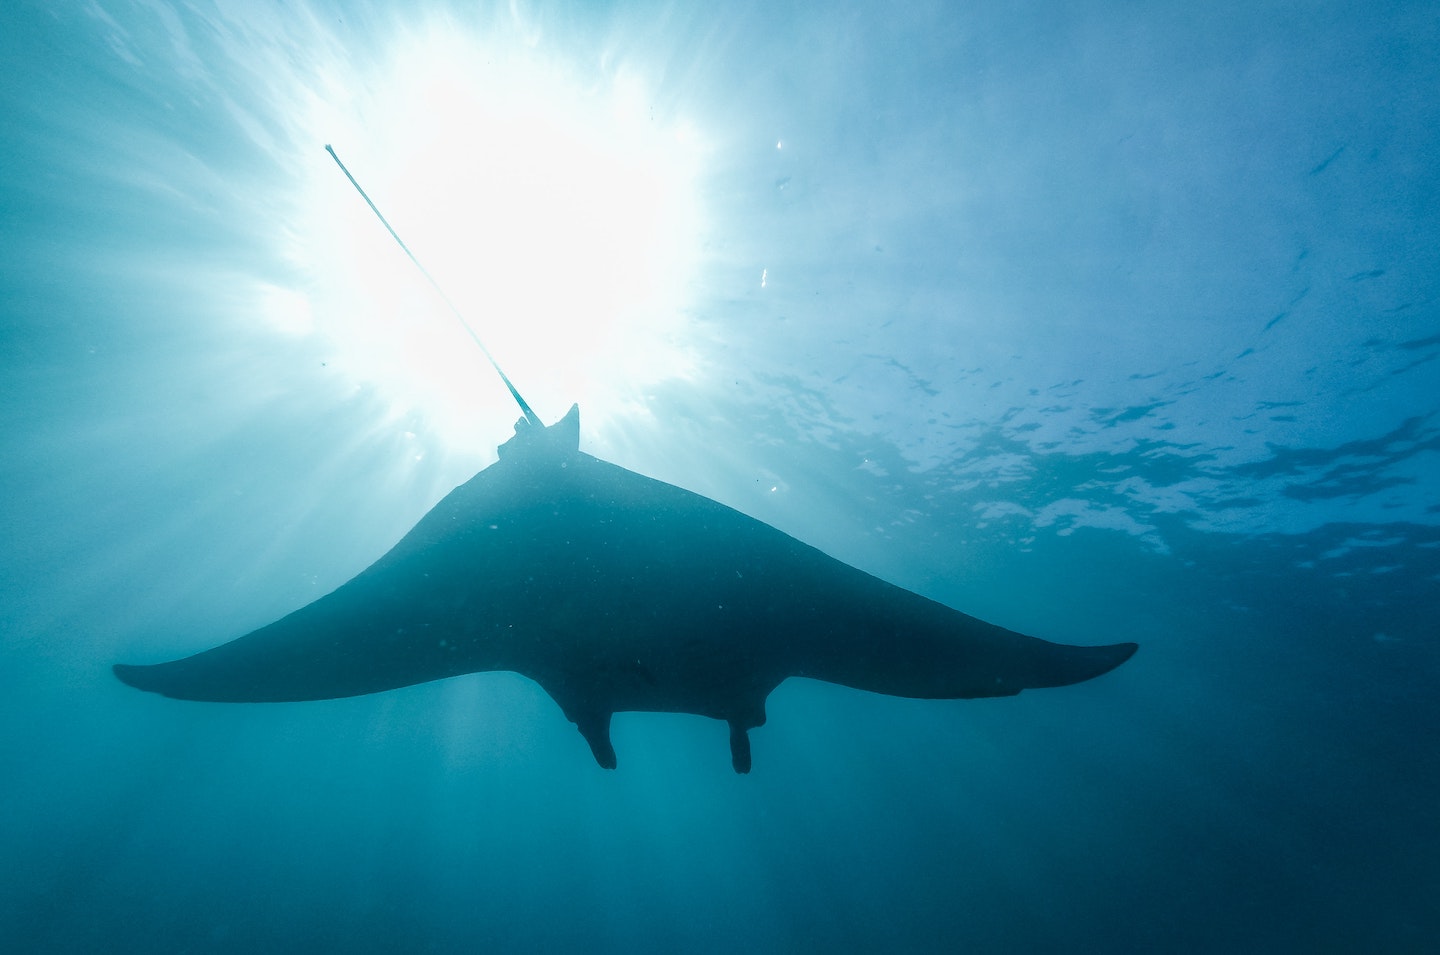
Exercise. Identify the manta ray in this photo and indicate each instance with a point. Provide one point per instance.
(615, 593)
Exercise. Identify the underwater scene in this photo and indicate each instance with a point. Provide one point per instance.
(771, 477)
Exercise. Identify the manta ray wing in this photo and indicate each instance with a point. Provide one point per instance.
(616, 592)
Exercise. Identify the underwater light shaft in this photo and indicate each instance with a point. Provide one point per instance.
(547, 197)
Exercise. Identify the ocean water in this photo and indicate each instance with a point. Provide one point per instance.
(1101, 322)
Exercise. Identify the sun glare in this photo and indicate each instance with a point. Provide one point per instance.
(555, 208)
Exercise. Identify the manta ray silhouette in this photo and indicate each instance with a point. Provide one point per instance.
(615, 592)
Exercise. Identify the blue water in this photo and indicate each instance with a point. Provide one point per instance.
(1102, 324)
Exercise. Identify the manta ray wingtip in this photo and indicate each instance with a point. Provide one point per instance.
(129, 674)
(151, 679)
(1106, 658)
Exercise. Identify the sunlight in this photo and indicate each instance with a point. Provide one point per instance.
(557, 211)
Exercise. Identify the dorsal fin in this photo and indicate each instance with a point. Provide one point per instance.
(561, 439)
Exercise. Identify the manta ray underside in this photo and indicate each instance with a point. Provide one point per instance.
(616, 592)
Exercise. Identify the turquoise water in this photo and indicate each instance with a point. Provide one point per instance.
(1101, 324)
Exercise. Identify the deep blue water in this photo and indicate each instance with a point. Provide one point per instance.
(1103, 322)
